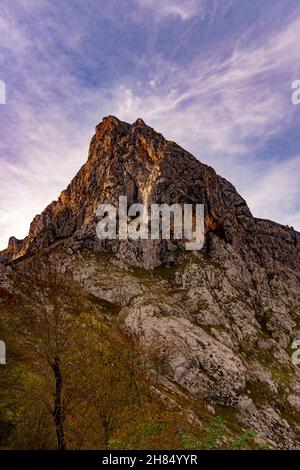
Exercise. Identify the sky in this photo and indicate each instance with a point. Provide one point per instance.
(213, 75)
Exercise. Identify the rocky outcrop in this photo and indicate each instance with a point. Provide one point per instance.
(136, 161)
(222, 319)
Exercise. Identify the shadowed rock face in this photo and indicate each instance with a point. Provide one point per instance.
(225, 318)
(136, 161)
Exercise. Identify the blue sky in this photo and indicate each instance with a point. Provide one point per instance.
(213, 75)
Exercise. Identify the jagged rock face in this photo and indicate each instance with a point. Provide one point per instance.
(136, 161)
(226, 317)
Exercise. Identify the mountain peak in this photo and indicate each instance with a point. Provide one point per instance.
(139, 122)
(218, 310)
(111, 125)
(111, 120)
(108, 124)
(136, 161)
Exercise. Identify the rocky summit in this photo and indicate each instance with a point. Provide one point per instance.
(224, 318)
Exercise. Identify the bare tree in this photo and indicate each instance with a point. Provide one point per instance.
(44, 313)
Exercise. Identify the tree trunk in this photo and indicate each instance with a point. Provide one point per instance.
(57, 411)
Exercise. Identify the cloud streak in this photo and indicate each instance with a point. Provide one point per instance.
(184, 10)
(227, 101)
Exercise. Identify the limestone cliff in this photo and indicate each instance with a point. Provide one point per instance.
(224, 317)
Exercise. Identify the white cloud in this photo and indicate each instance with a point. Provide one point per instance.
(229, 107)
(276, 194)
(222, 110)
(184, 9)
(224, 113)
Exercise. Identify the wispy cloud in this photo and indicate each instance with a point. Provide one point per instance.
(184, 9)
(232, 105)
(276, 194)
(224, 104)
